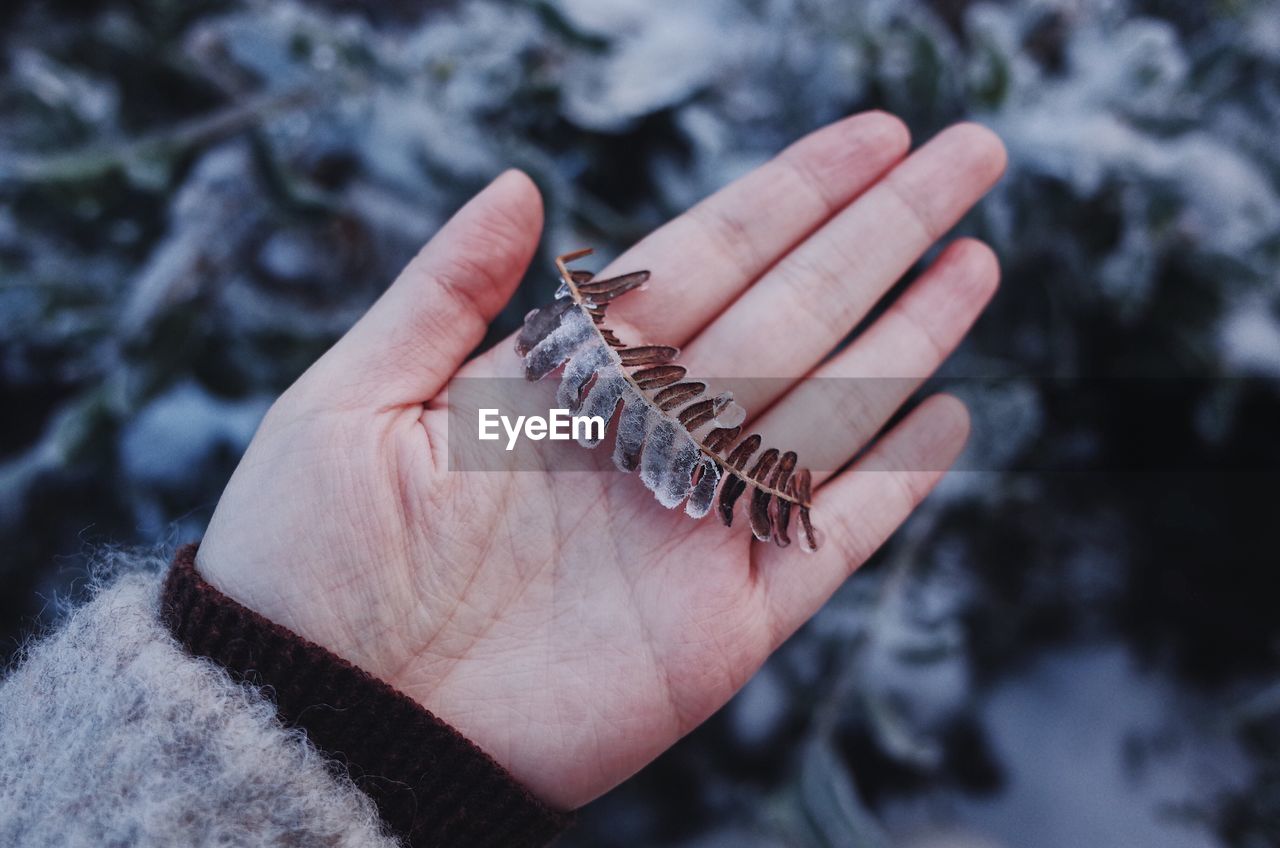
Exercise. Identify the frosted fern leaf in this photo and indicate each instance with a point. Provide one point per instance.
(684, 443)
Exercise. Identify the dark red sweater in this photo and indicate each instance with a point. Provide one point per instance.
(432, 786)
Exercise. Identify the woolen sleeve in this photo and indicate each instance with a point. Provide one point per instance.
(112, 734)
(163, 713)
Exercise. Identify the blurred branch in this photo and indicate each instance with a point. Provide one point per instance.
(96, 160)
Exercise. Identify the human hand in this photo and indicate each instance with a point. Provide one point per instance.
(565, 622)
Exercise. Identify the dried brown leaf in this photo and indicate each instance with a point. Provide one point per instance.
(658, 376)
(603, 291)
(761, 520)
(647, 355)
(675, 396)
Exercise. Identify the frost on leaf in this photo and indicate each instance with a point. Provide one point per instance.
(571, 331)
(684, 443)
(602, 400)
(583, 365)
(633, 427)
(666, 463)
(699, 503)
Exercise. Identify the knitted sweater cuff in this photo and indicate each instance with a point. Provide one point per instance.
(432, 786)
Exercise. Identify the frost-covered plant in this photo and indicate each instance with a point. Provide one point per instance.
(686, 446)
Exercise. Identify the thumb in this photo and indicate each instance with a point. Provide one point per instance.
(411, 341)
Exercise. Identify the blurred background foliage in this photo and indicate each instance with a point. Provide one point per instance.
(197, 197)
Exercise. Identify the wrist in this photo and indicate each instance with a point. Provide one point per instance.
(282, 589)
(432, 785)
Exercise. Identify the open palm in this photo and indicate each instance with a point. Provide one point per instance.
(564, 621)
